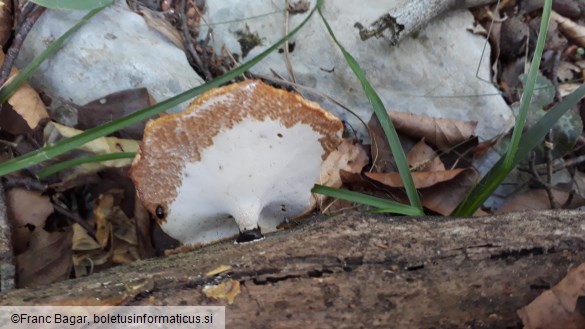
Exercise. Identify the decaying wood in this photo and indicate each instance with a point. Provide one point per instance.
(410, 16)
(356, 270)
(7, 267)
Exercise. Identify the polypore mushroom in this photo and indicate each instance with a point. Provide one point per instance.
(241, 158)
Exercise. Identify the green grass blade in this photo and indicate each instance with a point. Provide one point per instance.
(73, 4)
(529, 141)
(530, 82)
(385, 121)
(76, 141)
(23, 76)
(79, 161)
(381, 204)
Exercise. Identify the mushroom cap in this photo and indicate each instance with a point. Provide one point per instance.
(241, 156)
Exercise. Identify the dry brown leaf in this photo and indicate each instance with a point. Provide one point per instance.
(565, 89)
(567, 71)
(483, 147)
(87, 253)
(125, 244)
(444, 197)
(124, 253)
(571, 30)
(20, 239)
(114, 106)
(422, 179)
(423, 158)
(116, 213)
(348, 156)
(82, 241)
(86, 263)
(359, 182)
(101, 212)
(26, 207)
(382, 158)
(25, 102)
(537, 199)
(510, 78)
(559, 307)
(436, 131)
(219, 269)
(115, 234)
(112, 222)
(47, 260)
(225, 290)
(124, 228)
(55, 132)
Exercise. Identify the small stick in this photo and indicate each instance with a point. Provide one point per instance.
(76, 218)
(409, 17)
(548, 146)
(189, 44)
(14, 49)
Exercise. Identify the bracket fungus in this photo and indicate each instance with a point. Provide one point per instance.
(240, 159)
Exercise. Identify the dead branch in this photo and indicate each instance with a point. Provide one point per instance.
(356, 270)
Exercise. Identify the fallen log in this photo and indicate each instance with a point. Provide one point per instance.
(355, 270)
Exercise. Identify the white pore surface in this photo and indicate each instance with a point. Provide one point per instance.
(250, 174)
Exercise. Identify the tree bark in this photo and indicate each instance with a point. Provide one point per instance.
(7, 267)
(355, 270)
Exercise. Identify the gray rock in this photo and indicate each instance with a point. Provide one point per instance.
(433, 73)
(116, 50)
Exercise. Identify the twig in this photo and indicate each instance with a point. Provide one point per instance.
(76, 218)
(14, 49)
(548, 146)
(571, 162)
(187, 40)
(409, 17)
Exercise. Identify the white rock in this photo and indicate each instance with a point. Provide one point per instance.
(114, 51)
(433, 74)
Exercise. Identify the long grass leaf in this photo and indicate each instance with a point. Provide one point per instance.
(530, 82)
(73, 4)
(381, 204)
(529, 141)
(79, 161)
